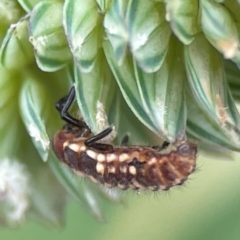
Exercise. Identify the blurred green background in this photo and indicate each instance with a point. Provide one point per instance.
(206, 207)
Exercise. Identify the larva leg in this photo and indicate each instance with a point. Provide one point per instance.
(125, 140)
(163, 146)
(101, 147)
(89, 142)
(63, 106)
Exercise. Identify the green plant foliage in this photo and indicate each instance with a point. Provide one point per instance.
(82, 26)
(15, 44)
(156, 70)
(47, 36)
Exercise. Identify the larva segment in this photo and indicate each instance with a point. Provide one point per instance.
(128, 167)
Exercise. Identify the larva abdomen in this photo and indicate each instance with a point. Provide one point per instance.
(134, 167)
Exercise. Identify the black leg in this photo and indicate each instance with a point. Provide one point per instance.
(63, 106)
(159, 148)
(102, 147)
(89, 142)
(165, 144)
(124, 141)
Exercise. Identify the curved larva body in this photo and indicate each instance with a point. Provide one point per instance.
(127, 167)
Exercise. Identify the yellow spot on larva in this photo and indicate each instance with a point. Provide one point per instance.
(123, 157)
(111, 169)
(75, 147)
(111, 157)
(100, 168)
(152, 161)
(83, 148)
(123, 169)
(91, 154)
(101, 157)
(132, 170)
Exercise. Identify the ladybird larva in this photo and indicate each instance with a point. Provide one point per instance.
(151, 170)
(136, 167)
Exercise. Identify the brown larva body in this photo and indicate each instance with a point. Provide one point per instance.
(127, 167)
